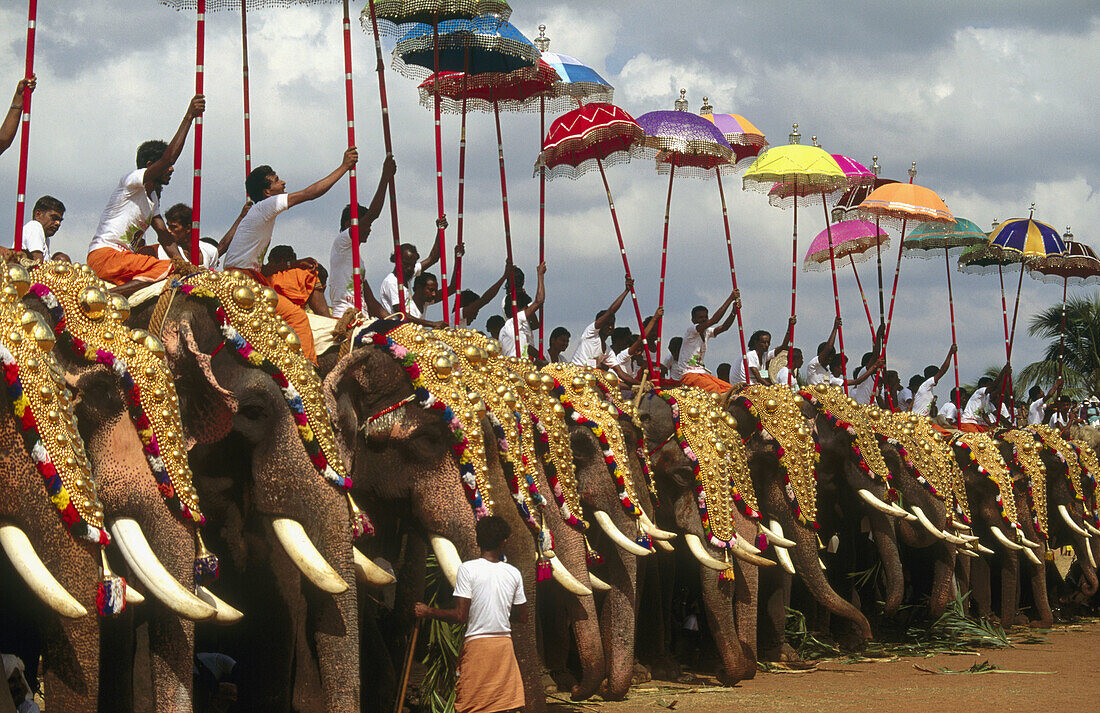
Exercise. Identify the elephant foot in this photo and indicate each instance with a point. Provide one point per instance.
(665, 668)
(557, 681)
(1041, 623)
(640, 674)
(784, 654)
(609, 695)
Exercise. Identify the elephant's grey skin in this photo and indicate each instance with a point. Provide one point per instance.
(251, 466)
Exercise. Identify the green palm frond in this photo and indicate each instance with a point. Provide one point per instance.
(444, 644)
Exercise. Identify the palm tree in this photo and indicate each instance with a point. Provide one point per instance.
(1076, 355)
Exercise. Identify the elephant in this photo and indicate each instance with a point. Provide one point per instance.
(265, 466)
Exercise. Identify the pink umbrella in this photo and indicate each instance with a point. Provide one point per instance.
(850, 239)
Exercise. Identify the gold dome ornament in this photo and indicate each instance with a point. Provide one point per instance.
(443, 366)
(121, 305)
(19, 278)
(93, 302)
(44, 336)
(153, 344)
(270, 297)
(612, 379)
(245, 297)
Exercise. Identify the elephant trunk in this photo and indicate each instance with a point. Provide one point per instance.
(619, 614)
(942, 571)
(1089, 584)
(887, 545)
(1038, 577)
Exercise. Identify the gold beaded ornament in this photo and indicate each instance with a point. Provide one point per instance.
(846, 413)
(779, 415)
(984, 452)
(1027, 453)
(1054, 441)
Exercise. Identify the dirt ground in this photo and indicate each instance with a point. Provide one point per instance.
(1057, 675)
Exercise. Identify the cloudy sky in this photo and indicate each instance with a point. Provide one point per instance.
(994, 102)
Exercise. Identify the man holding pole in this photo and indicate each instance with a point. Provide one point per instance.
(11, 120)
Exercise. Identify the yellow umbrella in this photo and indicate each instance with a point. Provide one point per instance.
(809, 170)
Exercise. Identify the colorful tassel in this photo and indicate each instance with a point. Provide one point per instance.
(543, 570)
(110, 594)
(545, 542)
(206, 562)
(727, 575)
(643, 540)
(761, 541)
(592, 555)
(360, 522)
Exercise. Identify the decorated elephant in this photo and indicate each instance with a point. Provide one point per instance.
(271, 475)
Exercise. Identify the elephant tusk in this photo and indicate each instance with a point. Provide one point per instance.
(30, 567)
(960, 525)
(1091, 528)
(1030, 554)
(821, 564)
(927, 524)
(883, 507)
(566, 579)
(1003, 539)
(227, 614)
(148, 569)
(781, 553)
(133, 596)
(1025, 541)
(367, 572)
(968, 553)
(983, 549)
(447, 555)
(655, 532)
(746, 546)
(292, 536)
(965, 537)
(666, 546)
(745, 555)
(695, 545)
(773, 534)
(954, 539)
(598, 583)
(1088, 551)
(616, 535)
(1071, 524)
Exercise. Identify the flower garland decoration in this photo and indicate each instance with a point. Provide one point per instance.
(845, 413)
(983, 453)
(1090, 469)
(778, 416)
(245, 313)
(43, 416)
(1054, 441)
(1026, 456)
(609, 384)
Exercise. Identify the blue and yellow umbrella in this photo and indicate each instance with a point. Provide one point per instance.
(1027, 237)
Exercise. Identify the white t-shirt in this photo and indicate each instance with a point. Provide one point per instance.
(1035, 411)
(781, 378)
(949, 412)
(975, 405)
(34, 238)
(493, 588)
(1057, 420)
(863, 392)
(508, 336)
(692, 352)
(253, 235)
(208, 251)
(922, 401)
(590, 349)
(387, 291)
(127, 216)
(816, 373)
(754, 363)
(906, 398)
(341, 291)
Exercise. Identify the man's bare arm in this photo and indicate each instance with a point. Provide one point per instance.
(540, 293)
(946, 363)
(224, 243)
(321, 187)
(158, 168)
(456, 615)
(11, 120)
(609, 313)
(165, 238)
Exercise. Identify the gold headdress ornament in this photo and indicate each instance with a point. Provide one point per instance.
(43, 412)
(846, 413)
(708, 437)
(1027, 455)
(779, 417)
(984, 453)
(245, 312)
(1052, 440)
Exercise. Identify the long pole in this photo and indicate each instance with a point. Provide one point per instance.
(353, 186)
(441, 237)
(400, 703)
(381, 69)
(1004, 304)
(244, 74)
(878, 259)
(733, 270)
(196, 189)
(461, 192)
(626, 264)
(866, 307)
(542, 216)
(1062, 327)
(836, 291)
(664, 262)
(794, 280)
(954, 341)
(507, 227)
(25, 136)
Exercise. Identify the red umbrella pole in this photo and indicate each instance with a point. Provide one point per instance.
(244, 74)
(1004, 305)
(196, 189)
(794, 277)
(24, 139)
(664, 262)
(542, 216)
(954, 341)
(507, 226)
(353, 187)
(461, 192)
(1062, 327)
(878, 258)
(836, 291)
(866, 308)
(733, 270)
(626, 265)
(381, 68)
(441, 237)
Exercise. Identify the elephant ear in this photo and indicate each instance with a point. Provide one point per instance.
(206, 408)
(342, 386)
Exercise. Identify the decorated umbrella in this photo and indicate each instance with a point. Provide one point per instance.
(485, 44)
(1079, 263)
(587, 137)
(809, 169)
(694, 145)
(933, 236)
(25, 138)
(847, 239)
(984, 259)
(577, 83)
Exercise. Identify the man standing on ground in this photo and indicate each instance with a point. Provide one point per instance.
(592, 348)
(246, 251)
(489, 598)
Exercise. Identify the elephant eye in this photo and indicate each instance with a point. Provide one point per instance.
(643, 417)
(252, 412)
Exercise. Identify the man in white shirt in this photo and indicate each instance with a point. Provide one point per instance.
(44, 223)
(177, 220)
(1038, 401)
(794, 361)
(817, 371)
(341, 290)
(671, 356)
(411, 266)
(690, 369)
(559, 342)
(526, 313)
(489, 598)
(133, 208)
(591, 350)
(949, 413)
(625, 346)
(922, 400)
(253, 236)
(760, 355)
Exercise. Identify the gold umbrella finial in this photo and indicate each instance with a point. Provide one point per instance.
(1031, 213)
(682, 102)
(814, 140)
(794, 137)
(913, 170)
(1068, 235)
(995, 223)
(542, 41)
(706, 108)
(875, 168)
